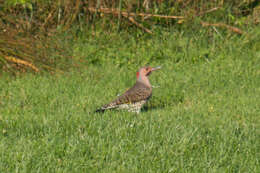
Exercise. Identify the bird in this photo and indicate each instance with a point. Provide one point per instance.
(135, 97)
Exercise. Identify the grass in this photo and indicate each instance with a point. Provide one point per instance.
(203, 116)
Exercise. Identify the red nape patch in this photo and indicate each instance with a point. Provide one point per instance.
(137, 74)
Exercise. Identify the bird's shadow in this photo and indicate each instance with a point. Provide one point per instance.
(160, 103)
(148, 108)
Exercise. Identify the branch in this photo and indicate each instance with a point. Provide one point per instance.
(208, 11)
(223, 25)
(117, 12)
(131, 19)
(19, 61)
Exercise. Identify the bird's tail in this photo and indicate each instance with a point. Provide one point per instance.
(100, 110)
(106, 107)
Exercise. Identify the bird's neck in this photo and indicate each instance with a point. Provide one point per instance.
(144, 80)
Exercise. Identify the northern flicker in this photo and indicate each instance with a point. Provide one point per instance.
(134, 98)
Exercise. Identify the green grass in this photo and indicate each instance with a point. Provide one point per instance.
(204, 115)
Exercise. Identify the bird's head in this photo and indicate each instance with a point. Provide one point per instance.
(145, 71)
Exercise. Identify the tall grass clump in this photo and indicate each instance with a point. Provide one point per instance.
(31, 30)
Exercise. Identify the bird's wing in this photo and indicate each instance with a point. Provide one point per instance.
(137, 93)
(134, 94)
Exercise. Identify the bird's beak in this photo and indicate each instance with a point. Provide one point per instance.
(156, 68)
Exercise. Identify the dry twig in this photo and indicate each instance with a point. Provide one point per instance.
(131, 19)
(117, 12)
(208, 11)
(22, 62)
(223, 25)
(130, 16)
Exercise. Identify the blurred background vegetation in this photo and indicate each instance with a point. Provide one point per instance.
(36, 35)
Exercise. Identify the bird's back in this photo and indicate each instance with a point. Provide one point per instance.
(138, 93)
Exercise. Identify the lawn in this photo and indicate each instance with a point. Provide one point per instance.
(204, 115)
